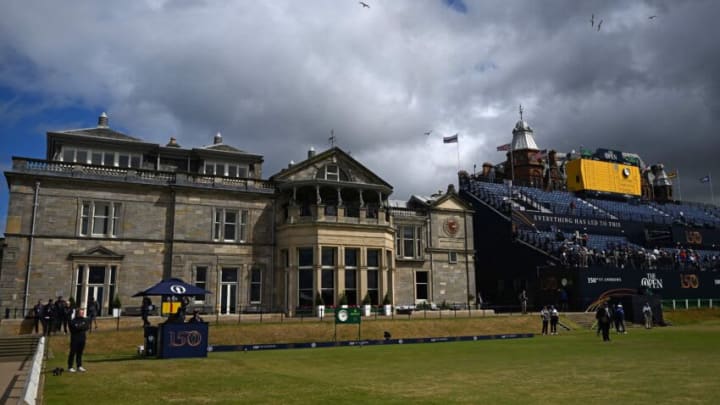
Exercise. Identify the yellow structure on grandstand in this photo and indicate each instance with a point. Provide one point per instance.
(608, 177)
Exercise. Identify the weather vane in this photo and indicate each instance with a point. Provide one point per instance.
(332, 138)
(521, 111)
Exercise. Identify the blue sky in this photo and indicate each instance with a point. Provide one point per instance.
(276, 77)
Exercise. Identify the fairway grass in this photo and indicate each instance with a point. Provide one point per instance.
(679, 364)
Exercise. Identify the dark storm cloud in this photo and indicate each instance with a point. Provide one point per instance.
(276, 77)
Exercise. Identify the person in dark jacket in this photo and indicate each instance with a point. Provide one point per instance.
(145, 310)
(37, 316)
(48, 317)
(78, 328)
(619, 319)
(93, 310)
(604, 318)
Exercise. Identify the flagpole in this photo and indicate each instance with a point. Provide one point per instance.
(712, 195)
(677, 172)
(457, 144)
(512, 164)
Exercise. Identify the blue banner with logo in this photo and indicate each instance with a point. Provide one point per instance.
(183, 340)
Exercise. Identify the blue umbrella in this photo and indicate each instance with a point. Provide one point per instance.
(173, 286)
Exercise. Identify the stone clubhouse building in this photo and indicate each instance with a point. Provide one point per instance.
(106, 215)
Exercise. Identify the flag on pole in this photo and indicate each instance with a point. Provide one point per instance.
(673, 174)
(450, 139)
(502, 148)
(705, 179)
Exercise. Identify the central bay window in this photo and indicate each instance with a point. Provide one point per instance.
(351, 266)
(225, 169)
(327, 278)
(373, 266)
(229, 225)
(95, 282)
(99, 218)
(305, 277)
(408, 242)
(100, 157)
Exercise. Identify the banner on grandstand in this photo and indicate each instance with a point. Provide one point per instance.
(570, 223)
(669, 284)
(696, 238)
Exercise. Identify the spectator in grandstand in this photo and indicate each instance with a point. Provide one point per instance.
(604, 317)
(523, 298)
(619, 319)
(545, 318)
(554, 318)
(648, 315)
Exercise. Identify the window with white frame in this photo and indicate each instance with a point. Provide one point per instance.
(95, 282)
(225, 169)
(408, 242)
(99, 218)
(229, 225)
(332, 172)
(100, 157)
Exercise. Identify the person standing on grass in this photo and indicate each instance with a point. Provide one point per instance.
(648, 315)
(545, 317)
(620, 319)
(78, 327)
(93, 309)
(145, 310)
(604, 317)
(554, 318)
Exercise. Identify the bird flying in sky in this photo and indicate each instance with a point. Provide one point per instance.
(428, 132)
(652, 17)
(592, 20)
(600, 25)
(362, 3)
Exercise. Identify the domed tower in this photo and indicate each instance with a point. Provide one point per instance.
(523, 163)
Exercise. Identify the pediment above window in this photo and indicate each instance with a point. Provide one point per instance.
(97, 252)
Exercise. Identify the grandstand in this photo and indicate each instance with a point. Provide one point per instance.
(585, 225)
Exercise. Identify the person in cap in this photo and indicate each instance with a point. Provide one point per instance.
(619, 319)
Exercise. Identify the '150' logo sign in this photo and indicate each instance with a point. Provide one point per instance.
(693, 237)
(190, 338)
(689, 281)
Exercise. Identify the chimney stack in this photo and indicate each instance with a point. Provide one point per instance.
(311, 152)
(218, 139)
